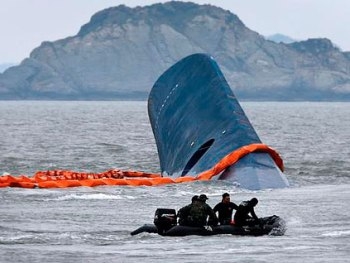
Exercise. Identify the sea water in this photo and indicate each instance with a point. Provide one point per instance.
(94, 224)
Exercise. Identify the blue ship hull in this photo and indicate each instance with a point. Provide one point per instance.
(197, 120)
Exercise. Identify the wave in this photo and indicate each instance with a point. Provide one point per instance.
(338, 233)
(97, 196)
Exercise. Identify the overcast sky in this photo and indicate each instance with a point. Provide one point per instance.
(24, 24)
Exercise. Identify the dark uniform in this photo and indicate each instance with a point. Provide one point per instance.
(242, 217)
(225, 212)
(196, 214)
(184, 212)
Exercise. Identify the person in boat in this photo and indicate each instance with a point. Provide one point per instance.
(210, 218)
(245, 214)
(184, 212)
(196, 214)
(225, 209)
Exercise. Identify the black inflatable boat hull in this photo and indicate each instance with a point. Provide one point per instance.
(272, 225)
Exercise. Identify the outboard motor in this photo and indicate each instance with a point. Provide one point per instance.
(164, 219)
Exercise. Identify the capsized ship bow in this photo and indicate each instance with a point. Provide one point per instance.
(197, 120)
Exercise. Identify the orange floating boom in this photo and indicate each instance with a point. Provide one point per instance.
(66, 178)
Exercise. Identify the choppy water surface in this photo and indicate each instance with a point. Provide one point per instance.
(93, 224)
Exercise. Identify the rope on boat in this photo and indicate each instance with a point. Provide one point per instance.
(66, 178)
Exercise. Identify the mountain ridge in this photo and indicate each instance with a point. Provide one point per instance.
(121, 52)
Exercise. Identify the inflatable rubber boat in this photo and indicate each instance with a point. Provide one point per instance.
(165, 224)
